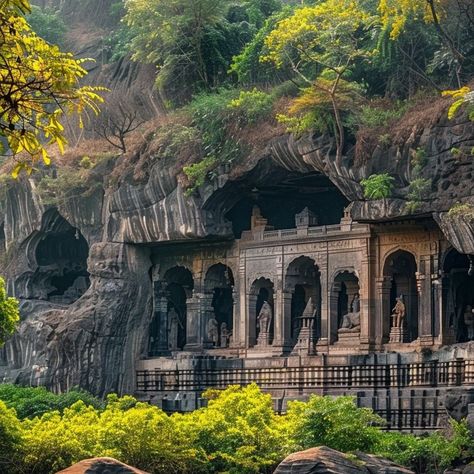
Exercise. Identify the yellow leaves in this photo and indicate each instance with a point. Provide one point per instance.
(395, 13)
(34, 77)
(313, 33)
(463, 96)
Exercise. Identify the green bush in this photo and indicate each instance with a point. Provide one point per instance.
(29, 402)
(237, 432)
(252, 106)
(378, 186)
(333, 422)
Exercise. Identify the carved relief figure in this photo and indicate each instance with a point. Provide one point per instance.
(225, 335)
(265, 318)
(399, 313)
(213, 331)
(469, 322)
(355, 304)
(174, 324)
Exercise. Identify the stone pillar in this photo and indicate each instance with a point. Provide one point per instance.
(235, 318)
(425, 313)
(323, 316)
(282, 335)
(437, 305)
(367, 310)
(194, 339)
(383, 310)
(160, 310)
(251, 326)
(333, 311)
(206, 314)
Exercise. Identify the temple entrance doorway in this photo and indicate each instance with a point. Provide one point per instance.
(302, 280)
(458, 300)
(261, 307)
(219, 284)
(400, 267)
(179, 288)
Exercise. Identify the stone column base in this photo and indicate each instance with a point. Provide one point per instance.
(398, 335)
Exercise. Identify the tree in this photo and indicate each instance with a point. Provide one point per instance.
(9, 313)
(170, 33)
(117, 125)
(396, 13)
(38, 86)
(325, 41)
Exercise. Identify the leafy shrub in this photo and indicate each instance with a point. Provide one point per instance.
(428, 454)
(29, 402)
(373, 116)
(238, 430)
(465, 210)
(9, 313)
(198, 172)
(419, 189)
(252, 106)
(333, 422)
(378, 186)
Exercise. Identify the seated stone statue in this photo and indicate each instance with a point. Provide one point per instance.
(350, 323)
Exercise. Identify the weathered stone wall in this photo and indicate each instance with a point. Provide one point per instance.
(96, 341)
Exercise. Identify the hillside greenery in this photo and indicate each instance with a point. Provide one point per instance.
(237, 432)
(346, 68)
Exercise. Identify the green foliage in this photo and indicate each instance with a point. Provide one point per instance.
(238, 432)
(428, 454)
(11, 433)
(252, 106)
(39, 86)
(47, 24)
(198, 172)
(334, 422)
(29, 402)
(378, 186)
(464, 210)
(373, 116)
(9, 313)
(419, 189)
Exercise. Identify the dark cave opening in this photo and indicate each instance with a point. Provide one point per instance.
(283, 195)
(60, 255)
(458, 300)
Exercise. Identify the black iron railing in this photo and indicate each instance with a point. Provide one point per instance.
(427, 374)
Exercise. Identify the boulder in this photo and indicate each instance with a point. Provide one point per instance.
(101, 466)
(323, 460)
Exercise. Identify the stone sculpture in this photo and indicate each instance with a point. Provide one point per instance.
(173, 328)
(399, 313)
(469, 322)
(351, 321)
(265, 318)
(225, 335)
(213, 331)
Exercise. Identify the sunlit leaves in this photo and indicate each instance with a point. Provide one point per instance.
(39, 85)
(463, 96)
(9, 313)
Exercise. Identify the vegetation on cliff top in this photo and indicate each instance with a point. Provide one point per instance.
(238, 432)
(38, 86)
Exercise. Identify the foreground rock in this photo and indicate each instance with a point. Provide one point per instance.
(325, 460)
(101, 466)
